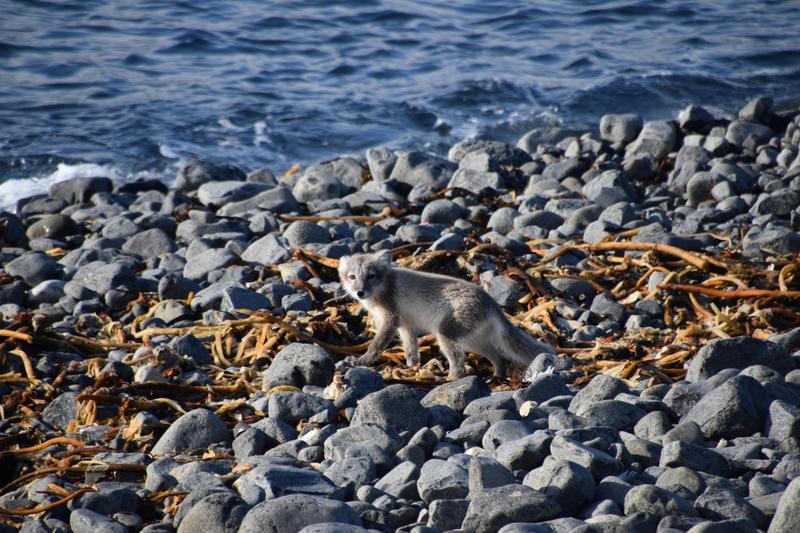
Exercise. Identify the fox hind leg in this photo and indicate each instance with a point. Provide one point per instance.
(455, 356)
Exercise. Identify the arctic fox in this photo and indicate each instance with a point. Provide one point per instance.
(461, 314)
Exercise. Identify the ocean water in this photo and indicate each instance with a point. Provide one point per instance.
(133, 88)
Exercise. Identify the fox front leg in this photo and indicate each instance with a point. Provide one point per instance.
(410, 346)
(383, 336)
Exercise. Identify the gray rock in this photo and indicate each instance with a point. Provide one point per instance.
(613, 413)
(61, 410)
(278, 200)
(352, 473)
(196, 429)
(542, 388)
(397, 477)
(787, 515)
(694, 456)
(234, 298)
(695, 118)
(760, 241)
(656, 501)
(268, 250)
(731, 410)
(602, 387)
(33, 268)
(251, 441)
(311, 187)
(526, 452)
(395, 406)
(504, 291)
(269, 481)
(447, 514)
(292, 407)
(380, 162)
(350, 171)
(476, 182)
(194, 173)
(441, 211)
(48, 291)
(280, 432)
(500, 153)
(216, 513)
(657, 138)
(219, 193)
(740, 131)
(78, 190)
(336, 445)
(652, 425)
(599, 463)
(491, 509)
(442, 479)
(289, 514)
(783, 424)
(620, 128)
(299, 364)
(457, 394)
(504, 431)
(208, 261)
(568, 483)
(101, 277)
(302, 232)
(502, 219)
(682, 481)
(149, 243)
(56, 226)
(418, 168)
(486, 473)
(86, 521)
(737, 352)
(687, 431)
(609, 188)
(720, 504)
(570, 167)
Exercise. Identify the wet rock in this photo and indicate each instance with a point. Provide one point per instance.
(737, 352)
(289, 514)
(196, 429)
(56, 226)
(491, 509)
(395, 406)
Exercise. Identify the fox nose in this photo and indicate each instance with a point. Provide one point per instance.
(361, 294)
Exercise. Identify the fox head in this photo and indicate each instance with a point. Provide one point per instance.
(362, 275)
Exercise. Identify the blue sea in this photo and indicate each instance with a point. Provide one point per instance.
(131, 89)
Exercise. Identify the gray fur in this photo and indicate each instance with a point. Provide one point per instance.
(462, 315)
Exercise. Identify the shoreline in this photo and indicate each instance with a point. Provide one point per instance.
(154, 326)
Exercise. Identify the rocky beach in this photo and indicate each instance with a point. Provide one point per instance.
(172, 358)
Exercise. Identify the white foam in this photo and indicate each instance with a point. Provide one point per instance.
(15, 189)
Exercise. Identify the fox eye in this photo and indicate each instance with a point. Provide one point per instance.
(352, 276)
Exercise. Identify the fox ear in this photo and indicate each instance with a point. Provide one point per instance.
(384, 256)
(343, 262)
